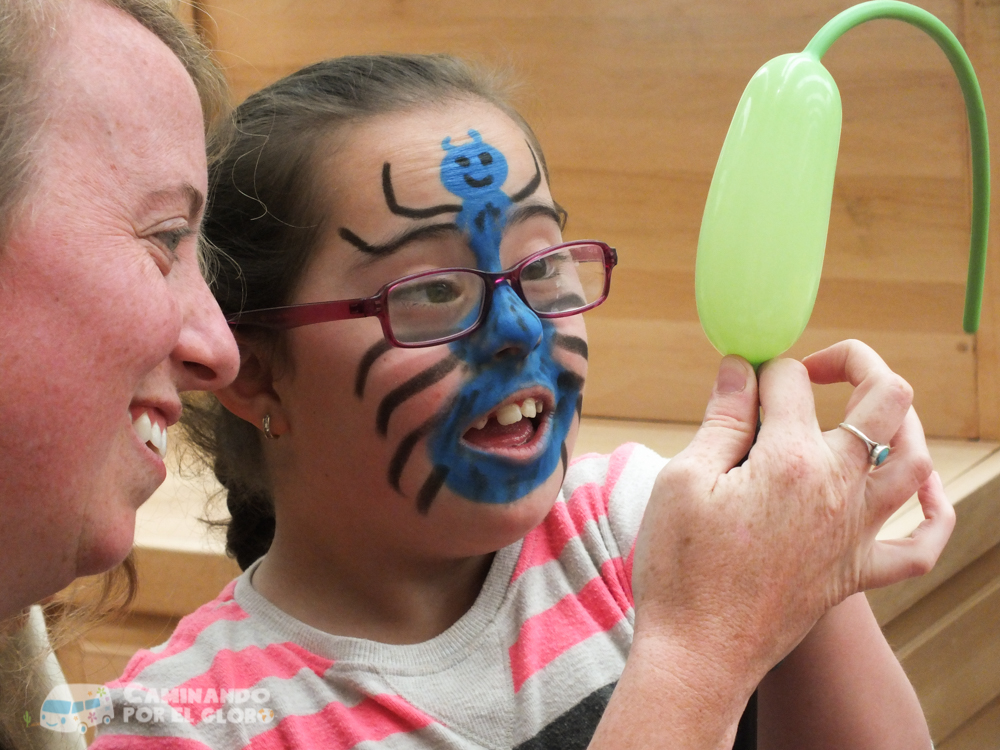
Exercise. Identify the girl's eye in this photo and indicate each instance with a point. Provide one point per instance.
(540, 269)
(436, 292)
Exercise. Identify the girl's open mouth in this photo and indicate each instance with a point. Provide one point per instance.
(513, 428)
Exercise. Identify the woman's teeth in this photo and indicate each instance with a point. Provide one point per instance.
(513, 413)
(151, 433)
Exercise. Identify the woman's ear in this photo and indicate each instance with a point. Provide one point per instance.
(251, 396)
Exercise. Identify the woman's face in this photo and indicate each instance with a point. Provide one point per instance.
(463, 444)
(105, 316)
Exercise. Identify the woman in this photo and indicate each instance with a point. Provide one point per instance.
(105, 315)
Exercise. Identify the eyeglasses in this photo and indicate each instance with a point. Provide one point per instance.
(434, 307)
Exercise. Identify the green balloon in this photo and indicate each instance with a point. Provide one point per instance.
(763, 234)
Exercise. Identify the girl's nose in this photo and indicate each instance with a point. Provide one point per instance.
(511, 329)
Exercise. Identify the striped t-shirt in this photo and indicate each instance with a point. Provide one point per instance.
(530, 665)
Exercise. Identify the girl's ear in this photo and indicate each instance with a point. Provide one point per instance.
(251, 395)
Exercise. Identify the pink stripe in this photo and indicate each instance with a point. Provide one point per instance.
(339, 727)
(627, 575)
(132, 742)
(242, 670)
(589, 502)
(620, 587)
(553, 632)
(223, 607)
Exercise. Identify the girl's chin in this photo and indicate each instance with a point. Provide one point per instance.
(481, 528)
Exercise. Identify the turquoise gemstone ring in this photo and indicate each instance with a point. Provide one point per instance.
(877, 453)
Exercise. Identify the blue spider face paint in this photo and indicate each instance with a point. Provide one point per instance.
(469, 169)
(514, 363)
(476, 172)
(511, 353)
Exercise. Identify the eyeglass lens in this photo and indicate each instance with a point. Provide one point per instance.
(435, 306)
(450, 303)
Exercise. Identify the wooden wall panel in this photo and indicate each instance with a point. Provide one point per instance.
(632, 102)
(186, 12)
(948, 646)
(982, 23)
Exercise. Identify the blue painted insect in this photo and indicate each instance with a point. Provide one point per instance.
(475, 172)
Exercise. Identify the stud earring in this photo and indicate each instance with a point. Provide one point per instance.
(267, 428)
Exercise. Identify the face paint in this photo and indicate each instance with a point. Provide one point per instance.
(510, 354)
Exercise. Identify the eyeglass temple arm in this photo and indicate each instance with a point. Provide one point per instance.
(293, 316)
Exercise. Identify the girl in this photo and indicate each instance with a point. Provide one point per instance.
(424, 565)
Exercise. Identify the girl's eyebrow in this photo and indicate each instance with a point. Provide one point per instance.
(516, 216)
(522, 213)
(398, 242)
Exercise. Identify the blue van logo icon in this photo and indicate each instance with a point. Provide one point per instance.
(75, 707)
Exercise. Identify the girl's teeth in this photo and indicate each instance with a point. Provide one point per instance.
(512, 413)
(509, 414)
(528, 408)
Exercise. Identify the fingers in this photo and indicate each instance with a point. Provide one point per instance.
(846, 361)
(907, 468)
(786, 400)
(730, 422)
(881, 398)
(894, 560)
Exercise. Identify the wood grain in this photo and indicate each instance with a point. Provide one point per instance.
(982, 26)
(632, 102)
(948, 646)
(979, 732)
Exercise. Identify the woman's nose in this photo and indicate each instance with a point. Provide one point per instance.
(206, 357)
(511, 329)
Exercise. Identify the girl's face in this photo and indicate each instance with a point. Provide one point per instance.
(461, 446)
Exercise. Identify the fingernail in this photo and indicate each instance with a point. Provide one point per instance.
(732, 376)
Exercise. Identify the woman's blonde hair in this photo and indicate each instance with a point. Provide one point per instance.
(26, 29)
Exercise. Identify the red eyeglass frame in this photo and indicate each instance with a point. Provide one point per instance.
(295, 316)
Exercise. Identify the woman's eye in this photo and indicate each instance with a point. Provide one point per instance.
(172, 238)
(163, 246)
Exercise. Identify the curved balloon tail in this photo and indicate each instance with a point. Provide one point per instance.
(978, 136)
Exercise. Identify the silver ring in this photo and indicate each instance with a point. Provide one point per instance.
(877, 453)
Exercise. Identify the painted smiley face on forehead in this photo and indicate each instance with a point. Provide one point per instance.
(503, 433)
